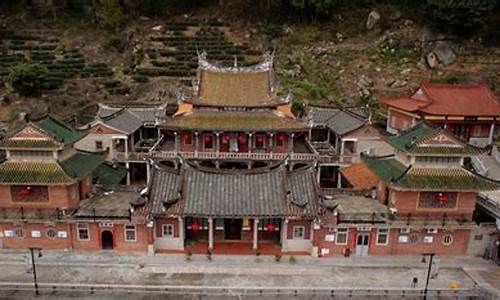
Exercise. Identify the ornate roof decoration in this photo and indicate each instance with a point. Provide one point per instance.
(264, 66)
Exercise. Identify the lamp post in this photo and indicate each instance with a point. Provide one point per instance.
(32, 252)
(431, 257)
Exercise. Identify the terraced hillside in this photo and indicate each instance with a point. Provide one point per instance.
(172, 51)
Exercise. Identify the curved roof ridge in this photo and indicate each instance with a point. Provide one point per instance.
(264, 66)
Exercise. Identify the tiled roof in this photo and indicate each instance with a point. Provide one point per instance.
(123, 120)
(109, 204)
(144, 113)
(108, 174)
(50, 172)
(357, 209)
(224, 193)
(359, 176)
(440, 179)
(62, 132)
(235, 89)
(420, 134)
(33, 173)
(450, 99)
(339, 121)
(82, 164)
(388, 169)
(164, 189)
(18, 143)
(234, 121)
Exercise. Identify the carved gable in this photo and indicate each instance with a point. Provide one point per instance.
(29, 132)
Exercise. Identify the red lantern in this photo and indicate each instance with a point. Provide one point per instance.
(242, 138)
(208, 138)
(441, 198)
(270, 227)
(227, 138)
(260, 138)
(281, 137)
(24, 192)
(195, 226)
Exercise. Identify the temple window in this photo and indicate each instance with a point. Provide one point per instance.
(82, 232)
(98, 145)
(22, 193)
(259, 141)
(168, 230)
(382, 236)
(298, 232)
(19, 233)
(51, 234)
(208, 142)
(188, 139)
(341, 236)
(130, 233)
(447, 240)
(280, 140)
(442, 200)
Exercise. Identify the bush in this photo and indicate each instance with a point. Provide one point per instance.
(27, 78)
(110, 15)
(460, 13)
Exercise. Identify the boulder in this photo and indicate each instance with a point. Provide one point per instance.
(444, 53)
(432, 60)
(373, 19)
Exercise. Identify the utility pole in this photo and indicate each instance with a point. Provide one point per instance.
(431, 255)
(32, 251)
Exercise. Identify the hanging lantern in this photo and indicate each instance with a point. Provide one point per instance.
(208, 138)
(242, 138)
(269, 227)
(281, 137)
(24, 192)
(260, 138)
(441, 198)
(195, 226)
(227, 138)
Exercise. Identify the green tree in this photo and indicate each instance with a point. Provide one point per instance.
(460, 13)
(26, 78)
(110, 15)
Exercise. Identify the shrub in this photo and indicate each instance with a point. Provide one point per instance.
(27, 78)
(460, 13)
(110, 15)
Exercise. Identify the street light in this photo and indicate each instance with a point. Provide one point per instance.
(32, 251)
(431, 257)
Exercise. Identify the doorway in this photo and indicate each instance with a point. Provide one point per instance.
(107, 240)
(232, 229)
(362, 244)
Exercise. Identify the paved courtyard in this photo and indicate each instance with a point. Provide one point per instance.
(243, 275)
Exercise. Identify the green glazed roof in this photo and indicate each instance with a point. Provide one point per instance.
(51, 172)
(409, 139)
(108, 174)
(62, 132)
(33, 173)
(440, 179)
(81, 164)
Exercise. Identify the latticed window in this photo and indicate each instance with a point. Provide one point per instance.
(442, 200)
(341, 236)
(130, 233)
(298, 232)
(83, 233)
(51, 234)
(168, 230)
(382, 236)
(19, 233)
